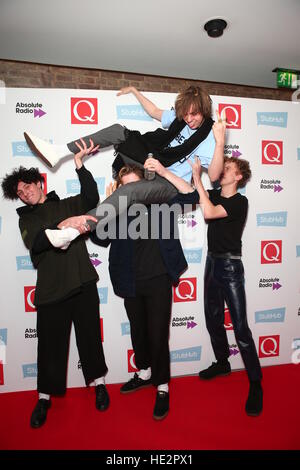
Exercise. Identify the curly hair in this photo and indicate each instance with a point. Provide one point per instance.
(10, 181)
(243, 167)
(127, 170)
(196, 97)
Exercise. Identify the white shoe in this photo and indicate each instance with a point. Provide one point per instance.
(49, 153)
(62, 238)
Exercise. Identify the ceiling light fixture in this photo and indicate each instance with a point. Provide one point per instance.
(215, 28)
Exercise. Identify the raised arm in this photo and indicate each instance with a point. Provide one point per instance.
(217, 163)
(149, 107)
(209, 210)
(179, 183)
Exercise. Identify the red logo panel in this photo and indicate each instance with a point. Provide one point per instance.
(186, 290)
(271, 251)
(29, 292)
(84, 111)
(1, 374)
(227, 321)
(272, 152)
(101, 329)
(45, 190)
(268, 346)
(131, 361)
(233, 114)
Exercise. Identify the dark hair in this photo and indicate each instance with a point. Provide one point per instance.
(10, 182)
(196, 97)
(243, 167)
(127, 170)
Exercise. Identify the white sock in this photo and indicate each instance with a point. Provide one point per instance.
(62, 238)
(99, 381)
(44, 396)
(145, 374)
(163, 388)
(62, 150)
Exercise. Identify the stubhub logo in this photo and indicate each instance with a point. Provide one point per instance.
(29, 370)
(24, 262)
(273, 315)
(272, 219)
(21, 149)
(133, 111)
(186, 355)
(73, 186)
(103, 294)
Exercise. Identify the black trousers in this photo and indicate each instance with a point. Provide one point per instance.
(149, 314)
(224, 280)
(53, 330)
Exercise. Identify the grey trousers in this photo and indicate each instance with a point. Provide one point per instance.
(146, 192)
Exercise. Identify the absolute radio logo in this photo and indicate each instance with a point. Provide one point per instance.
(270, 282)
(29, 292)
(271, 251)
(187, 321)
(84, 111)
(268, 346)
(272, 184)
(232, 113)
(31, 108)
(131, 361)
(272, 152)
(232, 150)
(186, 290)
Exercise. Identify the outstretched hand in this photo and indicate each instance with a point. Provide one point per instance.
(84, 150)
(219, 129)
(196, 169)
(153, 164)
(79, 222)
(125, 90)
(111, 188)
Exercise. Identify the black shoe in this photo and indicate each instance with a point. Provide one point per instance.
(39, 413)
(102, 397)
(215, 370)
(134, 384)
(254, 403)
(161, 408)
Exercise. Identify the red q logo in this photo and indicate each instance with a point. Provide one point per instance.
(272, 152)
(227, 319)
(84, 111)
(45, 190)
(271, 251)
(1, 374)
(131, 361)
(101, 330)
(29, 298)
(232, 113)
(186, 291)
(269, 346)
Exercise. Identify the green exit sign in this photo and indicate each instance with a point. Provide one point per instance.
(286, 79)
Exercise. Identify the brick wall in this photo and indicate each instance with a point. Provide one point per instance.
(31, 75)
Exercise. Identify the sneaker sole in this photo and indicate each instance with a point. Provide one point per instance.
(159, 418)
(36, 151)
(215, 377)
(135, 389)
(253, 414)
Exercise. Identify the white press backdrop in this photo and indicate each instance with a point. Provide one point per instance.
(263, 131)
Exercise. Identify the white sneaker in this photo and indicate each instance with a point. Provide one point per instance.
(49, 153)
(62, 238)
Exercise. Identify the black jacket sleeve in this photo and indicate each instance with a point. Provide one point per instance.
(89, 190)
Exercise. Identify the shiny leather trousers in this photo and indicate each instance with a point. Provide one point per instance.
(224, 280)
